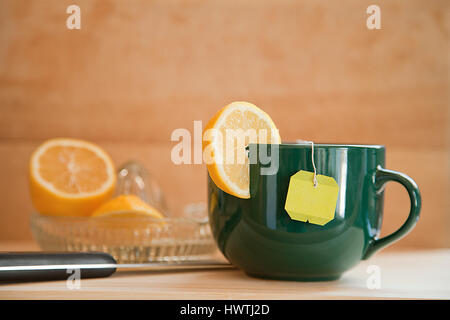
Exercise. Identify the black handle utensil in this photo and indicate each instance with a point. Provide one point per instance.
(45, 266)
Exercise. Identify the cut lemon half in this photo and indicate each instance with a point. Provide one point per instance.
(70, 177)
(126, 206)
(225, 138)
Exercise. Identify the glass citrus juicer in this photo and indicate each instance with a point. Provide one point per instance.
(131, 240)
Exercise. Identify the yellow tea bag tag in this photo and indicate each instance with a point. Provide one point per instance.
(306, 202)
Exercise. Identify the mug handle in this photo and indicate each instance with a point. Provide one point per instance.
(383, 176)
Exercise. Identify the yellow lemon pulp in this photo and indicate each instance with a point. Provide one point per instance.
(238, 118)
(70, 177)
(126, 206)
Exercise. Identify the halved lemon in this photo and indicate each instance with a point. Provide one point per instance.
(127, 206)
(224, 140)
(70, 177)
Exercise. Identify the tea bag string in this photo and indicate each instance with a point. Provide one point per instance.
(314, 164)
(312, 160)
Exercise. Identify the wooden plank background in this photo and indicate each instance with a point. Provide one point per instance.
(139, 69)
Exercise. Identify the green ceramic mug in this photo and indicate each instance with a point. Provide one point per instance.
(258, 236)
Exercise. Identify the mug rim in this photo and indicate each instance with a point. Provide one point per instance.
(329, 145)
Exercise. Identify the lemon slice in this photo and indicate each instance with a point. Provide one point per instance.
(126, 206)
(70, 177)
(237, 117)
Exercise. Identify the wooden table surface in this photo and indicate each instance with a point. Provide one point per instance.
(404, 274)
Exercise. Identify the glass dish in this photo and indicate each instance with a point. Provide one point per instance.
(128, 240)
